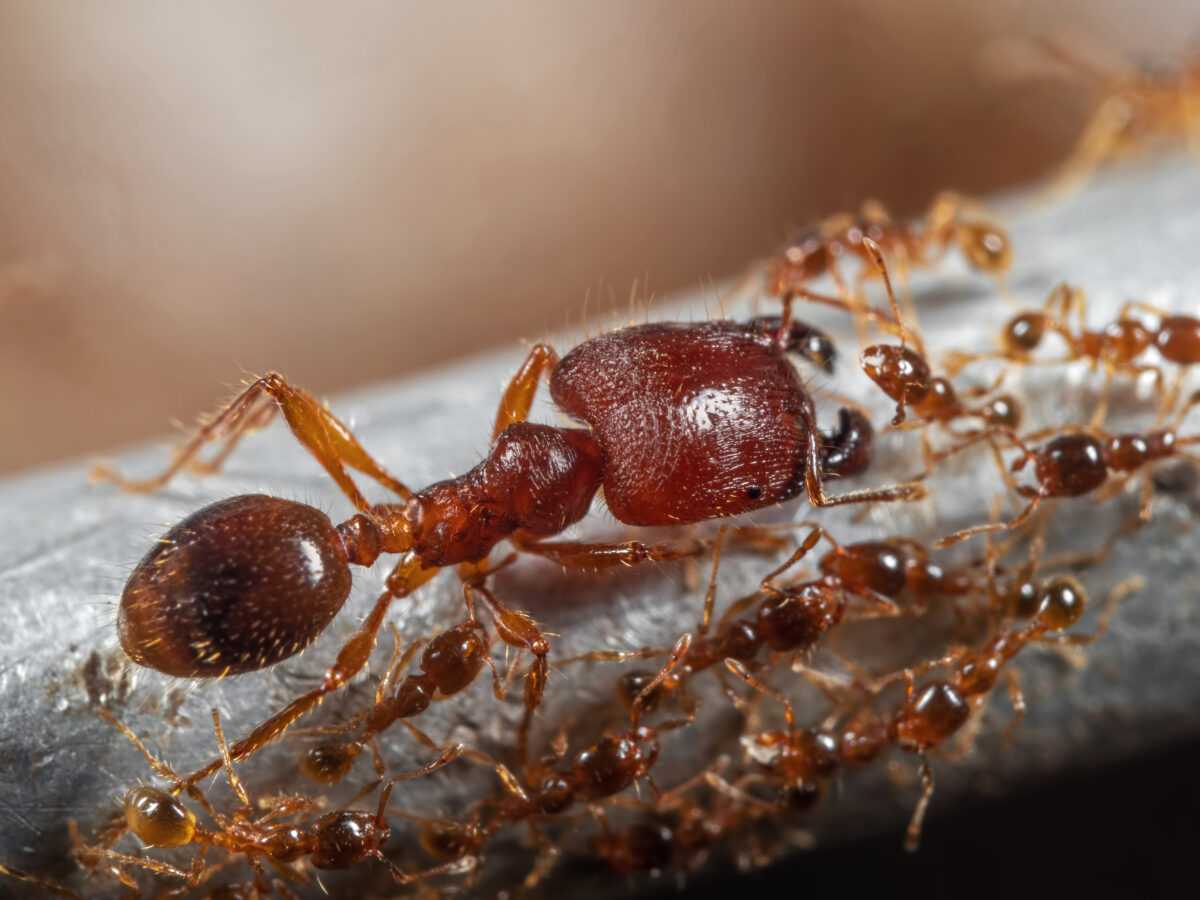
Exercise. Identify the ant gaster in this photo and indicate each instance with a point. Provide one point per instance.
(249, 581)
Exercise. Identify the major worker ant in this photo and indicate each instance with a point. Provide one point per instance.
(251, 580)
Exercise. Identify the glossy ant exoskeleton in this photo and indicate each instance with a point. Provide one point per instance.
(249, 581)
(1117, 346)
(336, 840)
(1081, 462)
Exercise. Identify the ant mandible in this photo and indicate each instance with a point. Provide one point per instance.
(249, 581)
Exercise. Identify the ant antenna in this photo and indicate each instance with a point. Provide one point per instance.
(881, 265)
(743, 673)
(680, 650)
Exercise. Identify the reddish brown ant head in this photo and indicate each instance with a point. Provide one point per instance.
(901, 373)
(240, 585)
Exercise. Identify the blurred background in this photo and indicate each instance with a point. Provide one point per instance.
(351, 192)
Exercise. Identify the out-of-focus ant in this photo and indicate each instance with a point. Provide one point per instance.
(336, 840)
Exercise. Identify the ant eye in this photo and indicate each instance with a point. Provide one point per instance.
(754, 492)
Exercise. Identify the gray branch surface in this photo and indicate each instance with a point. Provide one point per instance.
(68, 547)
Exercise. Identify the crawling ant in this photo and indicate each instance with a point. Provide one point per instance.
(336, 840)
(1081, 462)
(801, 761)
(1116, 347)
(249, 581)
(952, 221)
(790, 618)
(1137, 105)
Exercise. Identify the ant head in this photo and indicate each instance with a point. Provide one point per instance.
(1061, 603)
(901, 373)
(986, 247)
(159, 819)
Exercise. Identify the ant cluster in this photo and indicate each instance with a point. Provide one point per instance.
(678, 424)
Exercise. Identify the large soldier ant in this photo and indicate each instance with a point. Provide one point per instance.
(251, 580)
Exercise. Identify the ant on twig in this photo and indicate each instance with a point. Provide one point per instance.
(336, 840)
(1082, 461)
(249, 581)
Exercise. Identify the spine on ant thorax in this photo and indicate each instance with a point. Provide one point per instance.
(536, 479)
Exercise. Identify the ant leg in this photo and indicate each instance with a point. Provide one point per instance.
(912, 837)
(1098, 143)
(710, 595)
(789, 714)
(966, 533)
(45, 883)
(1016, 698)
(578, 555)
(235, 783)
(816, 532)
(462, 866)
(313, 425)
(408, 575)
(518, 396)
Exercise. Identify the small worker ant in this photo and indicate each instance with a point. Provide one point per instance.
(742, 431)
(904, 375)
(952, 221)
(336, 840)
(1137, 106)
(1116, 347)
(801, 761)
(1081, 461)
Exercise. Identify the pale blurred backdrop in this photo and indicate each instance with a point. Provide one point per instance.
(193, 191)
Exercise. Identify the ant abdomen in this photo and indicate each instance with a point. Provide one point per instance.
(345, 838)
(986, 247)
(1071, 465)
(1178, 339)
(933, 715)
(237, 586)
(158, 819)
